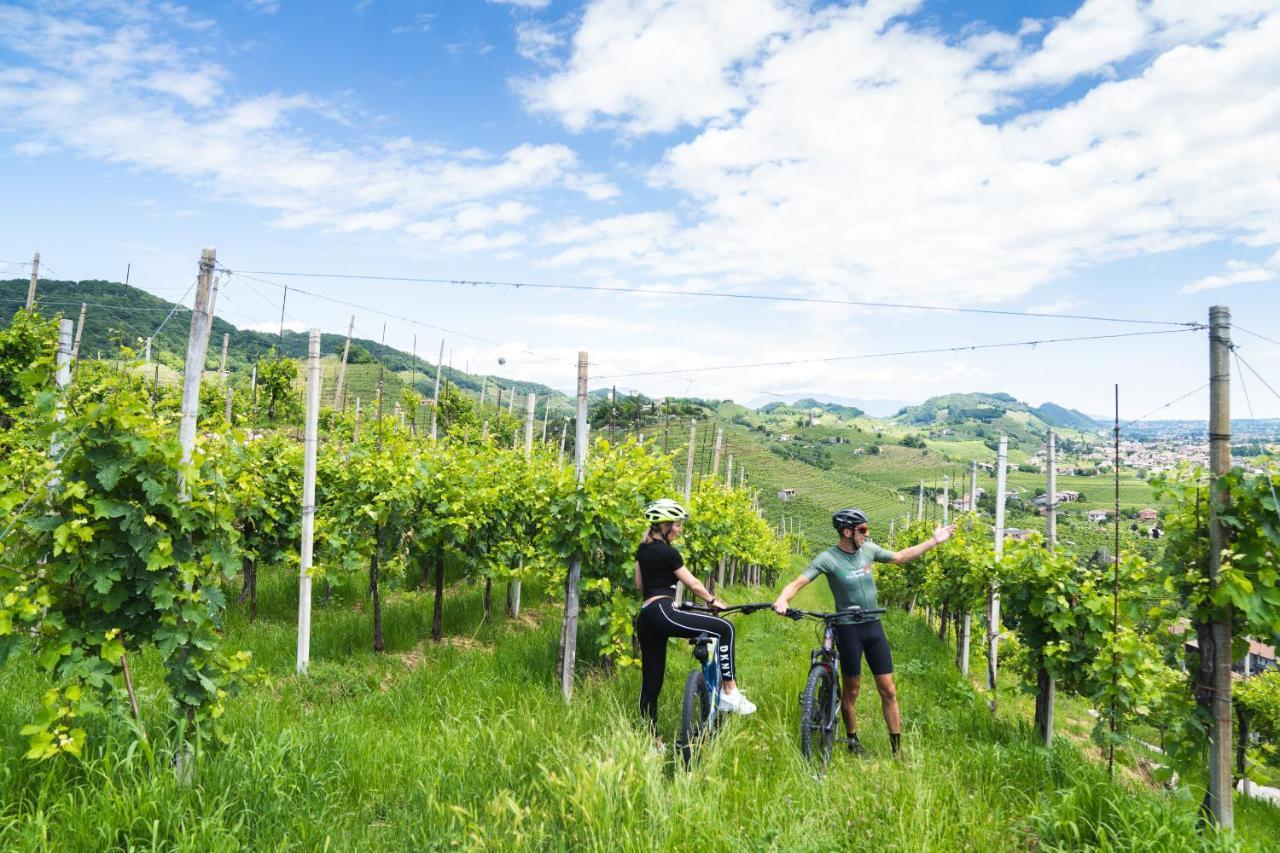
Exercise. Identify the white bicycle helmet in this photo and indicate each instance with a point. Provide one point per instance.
(665, 509)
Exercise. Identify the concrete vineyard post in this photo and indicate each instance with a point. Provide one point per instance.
(920, 503)
(546, 415)
(946, 492)
(35, 276)
(528, 454)
(688, 463)
(197, 350)
(569, 633)
(688, 489)
(435, 396)
(355, 433)
(314, 380)
(1045, 687)
(564, 434)
(728, 471)
(715, 454)
(967, 626)
(339, 401)
(75, 347)
(993, 597)
(1218, 632)
(63, 379)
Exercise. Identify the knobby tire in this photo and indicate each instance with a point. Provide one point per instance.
(694, 711)
(817, 729)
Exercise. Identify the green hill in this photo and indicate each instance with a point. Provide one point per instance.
(119, 315)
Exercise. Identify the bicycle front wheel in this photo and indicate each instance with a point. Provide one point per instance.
(693, 714)
(817, 728)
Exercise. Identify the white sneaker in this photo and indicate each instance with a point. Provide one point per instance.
(736, 703)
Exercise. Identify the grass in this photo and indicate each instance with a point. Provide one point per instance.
(468, 744)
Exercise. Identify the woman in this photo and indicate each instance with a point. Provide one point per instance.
(658, 567)
(847, 566)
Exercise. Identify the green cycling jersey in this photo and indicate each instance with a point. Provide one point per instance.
(849, 575)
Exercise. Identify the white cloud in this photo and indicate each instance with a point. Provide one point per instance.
(263, 7)
(657, 64)
(537, 42)
(124, 94)
(1238, 272)
(854, 151)
(274, 327)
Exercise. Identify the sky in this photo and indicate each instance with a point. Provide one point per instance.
(1111, 158)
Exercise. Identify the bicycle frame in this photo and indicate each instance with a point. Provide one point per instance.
(705, 651)
(828, 656)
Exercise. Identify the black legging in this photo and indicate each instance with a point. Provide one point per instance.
(660, 621)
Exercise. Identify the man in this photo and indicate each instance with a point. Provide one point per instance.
(847, 566)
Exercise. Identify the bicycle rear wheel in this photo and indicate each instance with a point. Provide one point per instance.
(817, 728)
(693, 714)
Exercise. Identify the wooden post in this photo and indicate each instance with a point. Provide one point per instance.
(569, 633)
(75, 348)
(197, 351)
(339, 400)
(35, 276)
(435, 396)
(1214, 681)
(314, 380)
(993, 597)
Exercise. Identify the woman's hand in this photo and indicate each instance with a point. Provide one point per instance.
(780, 606)
(717, 603)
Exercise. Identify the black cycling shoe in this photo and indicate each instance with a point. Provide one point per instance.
(855, 746)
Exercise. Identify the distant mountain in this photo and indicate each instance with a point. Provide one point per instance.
(981, 413)
(874, 408)
(1059, 416)
(808, 404)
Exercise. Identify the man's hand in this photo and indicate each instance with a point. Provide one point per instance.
(717, 603)
(780, 606)
(943, 532)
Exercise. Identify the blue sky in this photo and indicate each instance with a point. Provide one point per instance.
(1113, 157)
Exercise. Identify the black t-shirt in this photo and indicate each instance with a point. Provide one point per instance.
(658, 563)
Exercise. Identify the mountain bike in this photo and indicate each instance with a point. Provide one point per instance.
(820, 701)
(700, 709)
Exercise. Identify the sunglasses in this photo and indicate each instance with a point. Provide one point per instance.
(862, 528)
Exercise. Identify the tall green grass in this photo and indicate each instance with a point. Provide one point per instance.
(468, 744)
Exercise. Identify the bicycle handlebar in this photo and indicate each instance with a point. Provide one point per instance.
(856, 613)
(737, 608)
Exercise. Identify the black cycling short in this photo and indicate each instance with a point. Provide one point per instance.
(857, 639)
